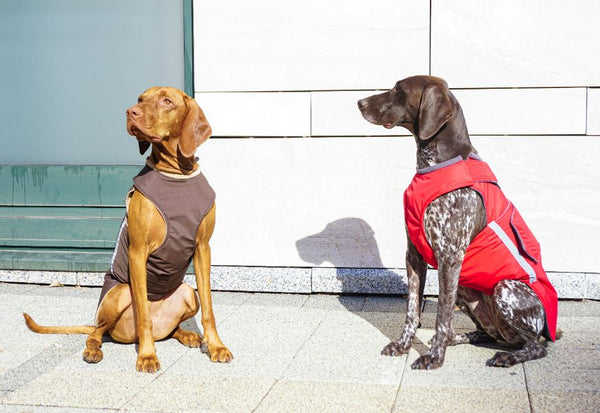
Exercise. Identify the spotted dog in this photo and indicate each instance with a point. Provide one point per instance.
(459, 222)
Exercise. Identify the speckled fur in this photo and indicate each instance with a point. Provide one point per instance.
(514, 314)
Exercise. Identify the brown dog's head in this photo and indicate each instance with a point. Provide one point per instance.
(169, 119)
(421, 104)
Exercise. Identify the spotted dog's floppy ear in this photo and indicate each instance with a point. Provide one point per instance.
(195, 130)
(434, 111)
(144, 145)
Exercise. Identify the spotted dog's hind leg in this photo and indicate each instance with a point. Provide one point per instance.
(478, 309)
(520, 320)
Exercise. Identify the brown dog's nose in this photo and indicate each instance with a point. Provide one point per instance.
(134, 112)
(362, 103)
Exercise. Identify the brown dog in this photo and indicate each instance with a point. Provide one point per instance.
(143, 297)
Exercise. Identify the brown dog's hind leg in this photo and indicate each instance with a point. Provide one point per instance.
(520, 320)
(109, 312)
(188, 303)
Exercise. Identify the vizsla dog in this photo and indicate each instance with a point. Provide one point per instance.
(170, 219)
(458, 221)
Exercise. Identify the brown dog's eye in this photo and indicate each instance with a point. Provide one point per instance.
(167, 101)
(139, 100)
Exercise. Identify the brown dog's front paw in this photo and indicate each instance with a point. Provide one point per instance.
(92, 355)
(220, 354)
(148, 364)
(427, 362)
(395, 349)
(502, 359)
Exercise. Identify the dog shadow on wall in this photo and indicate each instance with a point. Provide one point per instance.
(349, 245)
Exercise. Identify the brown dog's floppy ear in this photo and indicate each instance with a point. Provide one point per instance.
(195, 130)
(434, 111)
(144, 145)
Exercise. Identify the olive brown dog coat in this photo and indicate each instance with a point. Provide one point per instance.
(183, 203)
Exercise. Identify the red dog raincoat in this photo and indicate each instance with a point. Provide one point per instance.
(504, 249)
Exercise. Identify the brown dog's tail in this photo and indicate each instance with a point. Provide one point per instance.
(36, 328)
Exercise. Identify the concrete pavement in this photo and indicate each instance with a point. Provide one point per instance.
(304, 353)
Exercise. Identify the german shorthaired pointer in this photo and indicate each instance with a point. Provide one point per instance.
(459, 222)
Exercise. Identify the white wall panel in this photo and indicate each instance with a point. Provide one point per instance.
(338, 201)
(337, 114)
(257, 114)
(343, 194)
(593, 112)
(308, 45)
(524, 111)
(516, 42)
(553, 181)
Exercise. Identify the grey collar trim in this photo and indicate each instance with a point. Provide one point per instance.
(440, 165)
(449, 162)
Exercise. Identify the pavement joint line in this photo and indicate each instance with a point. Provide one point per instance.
(400, 383)
(155, 377)
(525, 377)
(278, 379)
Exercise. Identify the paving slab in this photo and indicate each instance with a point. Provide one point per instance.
(184, 393)
(310, 396)
(57, 291)
(374, 370)
(452, 399)
(472, 375)
(335, 302)
(565, 401)
(278, 300)
(46, 359)
(247, 363)
(79, 388)
(395, 304)
(342, 333)
(229, 298)
(540, 378)
(16, 288)
(28, 408)
(579, 308)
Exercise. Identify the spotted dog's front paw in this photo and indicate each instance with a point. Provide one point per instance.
(395, 348)
(428, 361)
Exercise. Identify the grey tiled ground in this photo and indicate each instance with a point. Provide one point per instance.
(304, 353)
